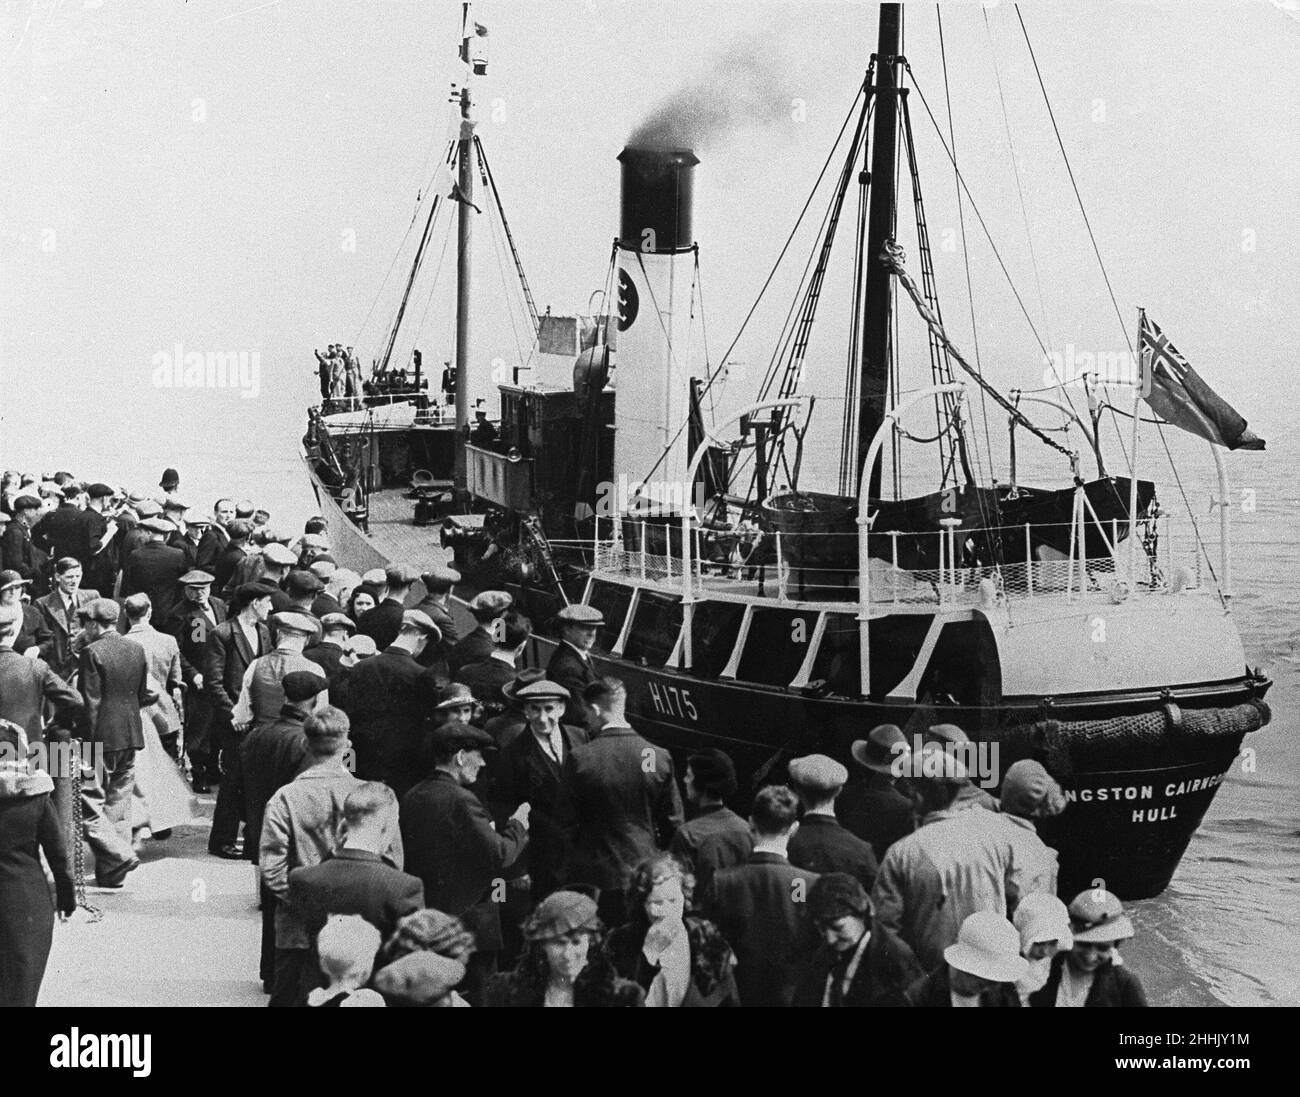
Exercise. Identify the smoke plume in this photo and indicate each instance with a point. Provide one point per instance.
(742, 86)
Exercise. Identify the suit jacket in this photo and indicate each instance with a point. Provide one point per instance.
(616, 809)
(883, 975)
(476, 647)
(716, 838)
(754, 905)
(574, 673)
(876, 812)
(435, 655)
(115, 683)
(382, 623)
(451, 845)
(523, 772)
(485, 680)
(224, 566)
(935, 990)
(226, 659)
(329, 657)
(190, 625)
(211, 545)
(35, 632)
(1111, 986)
(155, 569)
(822, 845)
(63, 660)
(354, 881)
(101, 567)
(188, 548)
(26, 686)
(272, 755)
(66, 531)
(18, 552)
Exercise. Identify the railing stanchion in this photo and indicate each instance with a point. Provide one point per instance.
(643, 548)
(893, 552)
(1029, 560)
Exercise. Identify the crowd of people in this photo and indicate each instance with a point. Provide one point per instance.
(434, 823)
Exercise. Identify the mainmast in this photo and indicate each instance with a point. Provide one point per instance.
(464, 238)
(874, 387)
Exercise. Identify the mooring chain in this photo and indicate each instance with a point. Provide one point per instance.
(78, 845)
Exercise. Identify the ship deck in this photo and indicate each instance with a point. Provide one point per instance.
(394, 533)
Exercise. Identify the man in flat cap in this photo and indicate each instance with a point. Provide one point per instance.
(1029, 794)
(388, 696)
(488, 607)
(485, 678)
(191, 621)
(102, 564)
(67, 530)
(438, 583)
(270, 757)
(114, 678)
(716, 837)
(329, 653)
(238, 549)
(384, 621)
(618, 800)
(189, 536)
(570, 664)
(853, 966)
(528, 771)
(451, 843)
(262, 691)
(155, 569)
(872, 807)
(18, 552)
(61, 609)
(302, 587)
(822, 844)
(951, 738)
(232, 647)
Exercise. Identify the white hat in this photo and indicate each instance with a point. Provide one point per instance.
(988, 946)
(1042, 917)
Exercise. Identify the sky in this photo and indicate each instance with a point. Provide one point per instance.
(238, 177)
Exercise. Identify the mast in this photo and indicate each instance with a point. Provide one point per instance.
(464, 239)
(874, 386)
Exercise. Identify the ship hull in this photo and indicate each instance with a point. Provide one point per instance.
(1131, 810)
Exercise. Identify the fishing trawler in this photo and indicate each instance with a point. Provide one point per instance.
(1077, 624)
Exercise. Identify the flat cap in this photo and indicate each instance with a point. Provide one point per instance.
(453, 695)
(196, 578)
(276, 553)
(249, 592)
(525, 677)
(290, 621)
(490, 602)
(817, 773)
(559, 914)
(439, 578)
(103, 610)
(946, 733)
(376, 576)
(338, 620)
(299, 685)
(362, 646)
(10, 578)
(158, 525)
(1028, 790)
(400, 575)
(316, 541)
(429, 930)
(578, 614)
(458, 736)
(542, 690)
(147, 508)
(72, 490)
(173, 503)
(299, 581)
(27, 502)
(99, 491)
(418, 619)
(199, 519)
(419, 978)
(323, 567)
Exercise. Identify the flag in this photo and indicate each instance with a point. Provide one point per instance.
(1179, 395)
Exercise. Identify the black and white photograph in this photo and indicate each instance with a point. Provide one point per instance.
(601, 503)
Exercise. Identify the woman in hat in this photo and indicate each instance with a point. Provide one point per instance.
(563, 964)
(1091, 973)
(364, 596)
(1044, 926)
(677, 958)
(445, 945)
(980, 968)
(28, 823)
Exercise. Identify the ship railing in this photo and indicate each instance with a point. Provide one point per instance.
(1168, 557)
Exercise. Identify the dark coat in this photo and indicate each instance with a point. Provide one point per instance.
(35, 632)
(387, 698)
(325, 603)
(934, 990)
(271, 756)
(713, 981)
(354, 881)
(382, 623)
(329, 657)
(523, 773)
(755, 907)
(485, 679)
(66, 531)
(716, 838)
(224, 566)
(100, 570)
(822, 845)
(188, 547)
(883, 975)
(574, 673)
(188, 623)
(27, 686)
(155, 569)
(614, 808)
(211, 545)
(450, 844)
(63, 660)
(876, 812)
(1111, 986)
(476, 647)
(115, 683)
(597, 987)
(18, 552)
(225, 661)
(29, 824)
(435, 655)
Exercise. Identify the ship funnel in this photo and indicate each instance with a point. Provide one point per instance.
(657, 185)
(652, 365)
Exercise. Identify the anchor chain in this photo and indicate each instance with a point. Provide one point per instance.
(78, 844)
